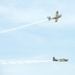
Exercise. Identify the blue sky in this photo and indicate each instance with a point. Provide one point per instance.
(40, 41)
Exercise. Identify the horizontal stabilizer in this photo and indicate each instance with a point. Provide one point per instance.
(49, 18)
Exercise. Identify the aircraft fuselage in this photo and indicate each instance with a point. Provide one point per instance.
(57, 17)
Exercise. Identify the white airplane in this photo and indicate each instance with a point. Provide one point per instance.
(60, 60)
(57, 16)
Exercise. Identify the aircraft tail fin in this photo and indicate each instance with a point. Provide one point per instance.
(49, 18)
(55, 59)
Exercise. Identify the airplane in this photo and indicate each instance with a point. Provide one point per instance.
(60, 60)
(57, 16)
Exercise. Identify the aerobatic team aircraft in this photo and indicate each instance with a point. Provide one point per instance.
(60, 60)
(57, 16)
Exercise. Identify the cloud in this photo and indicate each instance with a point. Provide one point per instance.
(41, 69)
(18, 15)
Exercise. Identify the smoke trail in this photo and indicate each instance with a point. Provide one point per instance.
(21, 27)
(23, 62)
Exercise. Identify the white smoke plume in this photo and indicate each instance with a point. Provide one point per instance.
(21, 27)
(6, 62)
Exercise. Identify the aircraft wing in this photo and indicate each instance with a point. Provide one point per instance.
(63, 60)
(57, 14)
(56, 19)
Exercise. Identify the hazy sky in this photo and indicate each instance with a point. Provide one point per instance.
(40, 41)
